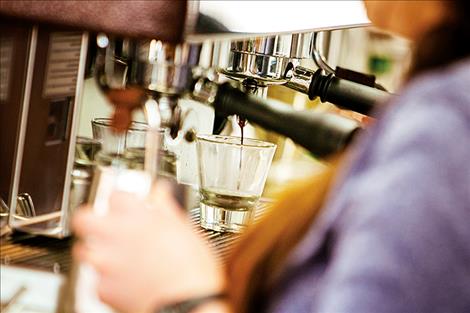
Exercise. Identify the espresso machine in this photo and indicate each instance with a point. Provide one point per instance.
(224, 54)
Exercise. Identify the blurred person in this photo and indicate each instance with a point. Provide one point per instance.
(385, 228)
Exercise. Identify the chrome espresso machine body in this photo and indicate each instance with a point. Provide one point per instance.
(205, 43)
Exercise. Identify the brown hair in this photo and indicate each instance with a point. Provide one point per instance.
(446, 43)
(258, 259)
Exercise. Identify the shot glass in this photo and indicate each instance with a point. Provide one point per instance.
(125, 149)
(231, 179)
(115, 143)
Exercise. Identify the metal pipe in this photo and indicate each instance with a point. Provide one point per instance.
(318, 57)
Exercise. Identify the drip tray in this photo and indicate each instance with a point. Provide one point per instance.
(54, 255)
(36, 252)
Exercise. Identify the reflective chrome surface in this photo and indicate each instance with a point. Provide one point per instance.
(157, 66)
(299, 79)
(266, 59)
(290, 46)
(317, 54)
(25, 205)
(261, 47)
(264, 68)
(267, 39)
(165, 68)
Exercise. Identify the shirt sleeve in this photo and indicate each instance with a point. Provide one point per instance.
(403, 245)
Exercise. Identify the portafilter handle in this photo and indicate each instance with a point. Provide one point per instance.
(321, 133)
(341, 92)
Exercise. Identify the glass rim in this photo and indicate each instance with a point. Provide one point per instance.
(135, 126)
(248, 142)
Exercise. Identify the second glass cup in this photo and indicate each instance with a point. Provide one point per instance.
(126, 149)
(231, 179)
(113, 142)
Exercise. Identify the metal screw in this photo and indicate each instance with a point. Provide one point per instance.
(190, 135)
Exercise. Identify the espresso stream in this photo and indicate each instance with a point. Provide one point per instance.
(241, 123)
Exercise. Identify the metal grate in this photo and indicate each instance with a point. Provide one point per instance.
(53, 255)
(42, 253)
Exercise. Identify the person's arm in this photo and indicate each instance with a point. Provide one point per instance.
(404, 245)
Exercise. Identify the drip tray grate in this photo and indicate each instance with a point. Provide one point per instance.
(53, 255)
(36, 252)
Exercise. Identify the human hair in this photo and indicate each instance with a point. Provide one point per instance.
(257, 261)
(259, 258)
(446, 43)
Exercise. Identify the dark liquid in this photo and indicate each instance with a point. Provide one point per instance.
(241, 123)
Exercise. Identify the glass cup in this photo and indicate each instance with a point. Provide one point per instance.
(115, 143)
(118, 149)
(231, 179)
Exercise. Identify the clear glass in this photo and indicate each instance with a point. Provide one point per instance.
(113, 142)
(231, 179)
(118, 149)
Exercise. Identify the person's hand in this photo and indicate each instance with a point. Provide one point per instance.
(146, 253)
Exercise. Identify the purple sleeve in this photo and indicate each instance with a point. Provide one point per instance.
(403, 245)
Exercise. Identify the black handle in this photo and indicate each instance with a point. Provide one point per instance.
(346, 94)
(320, 133)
